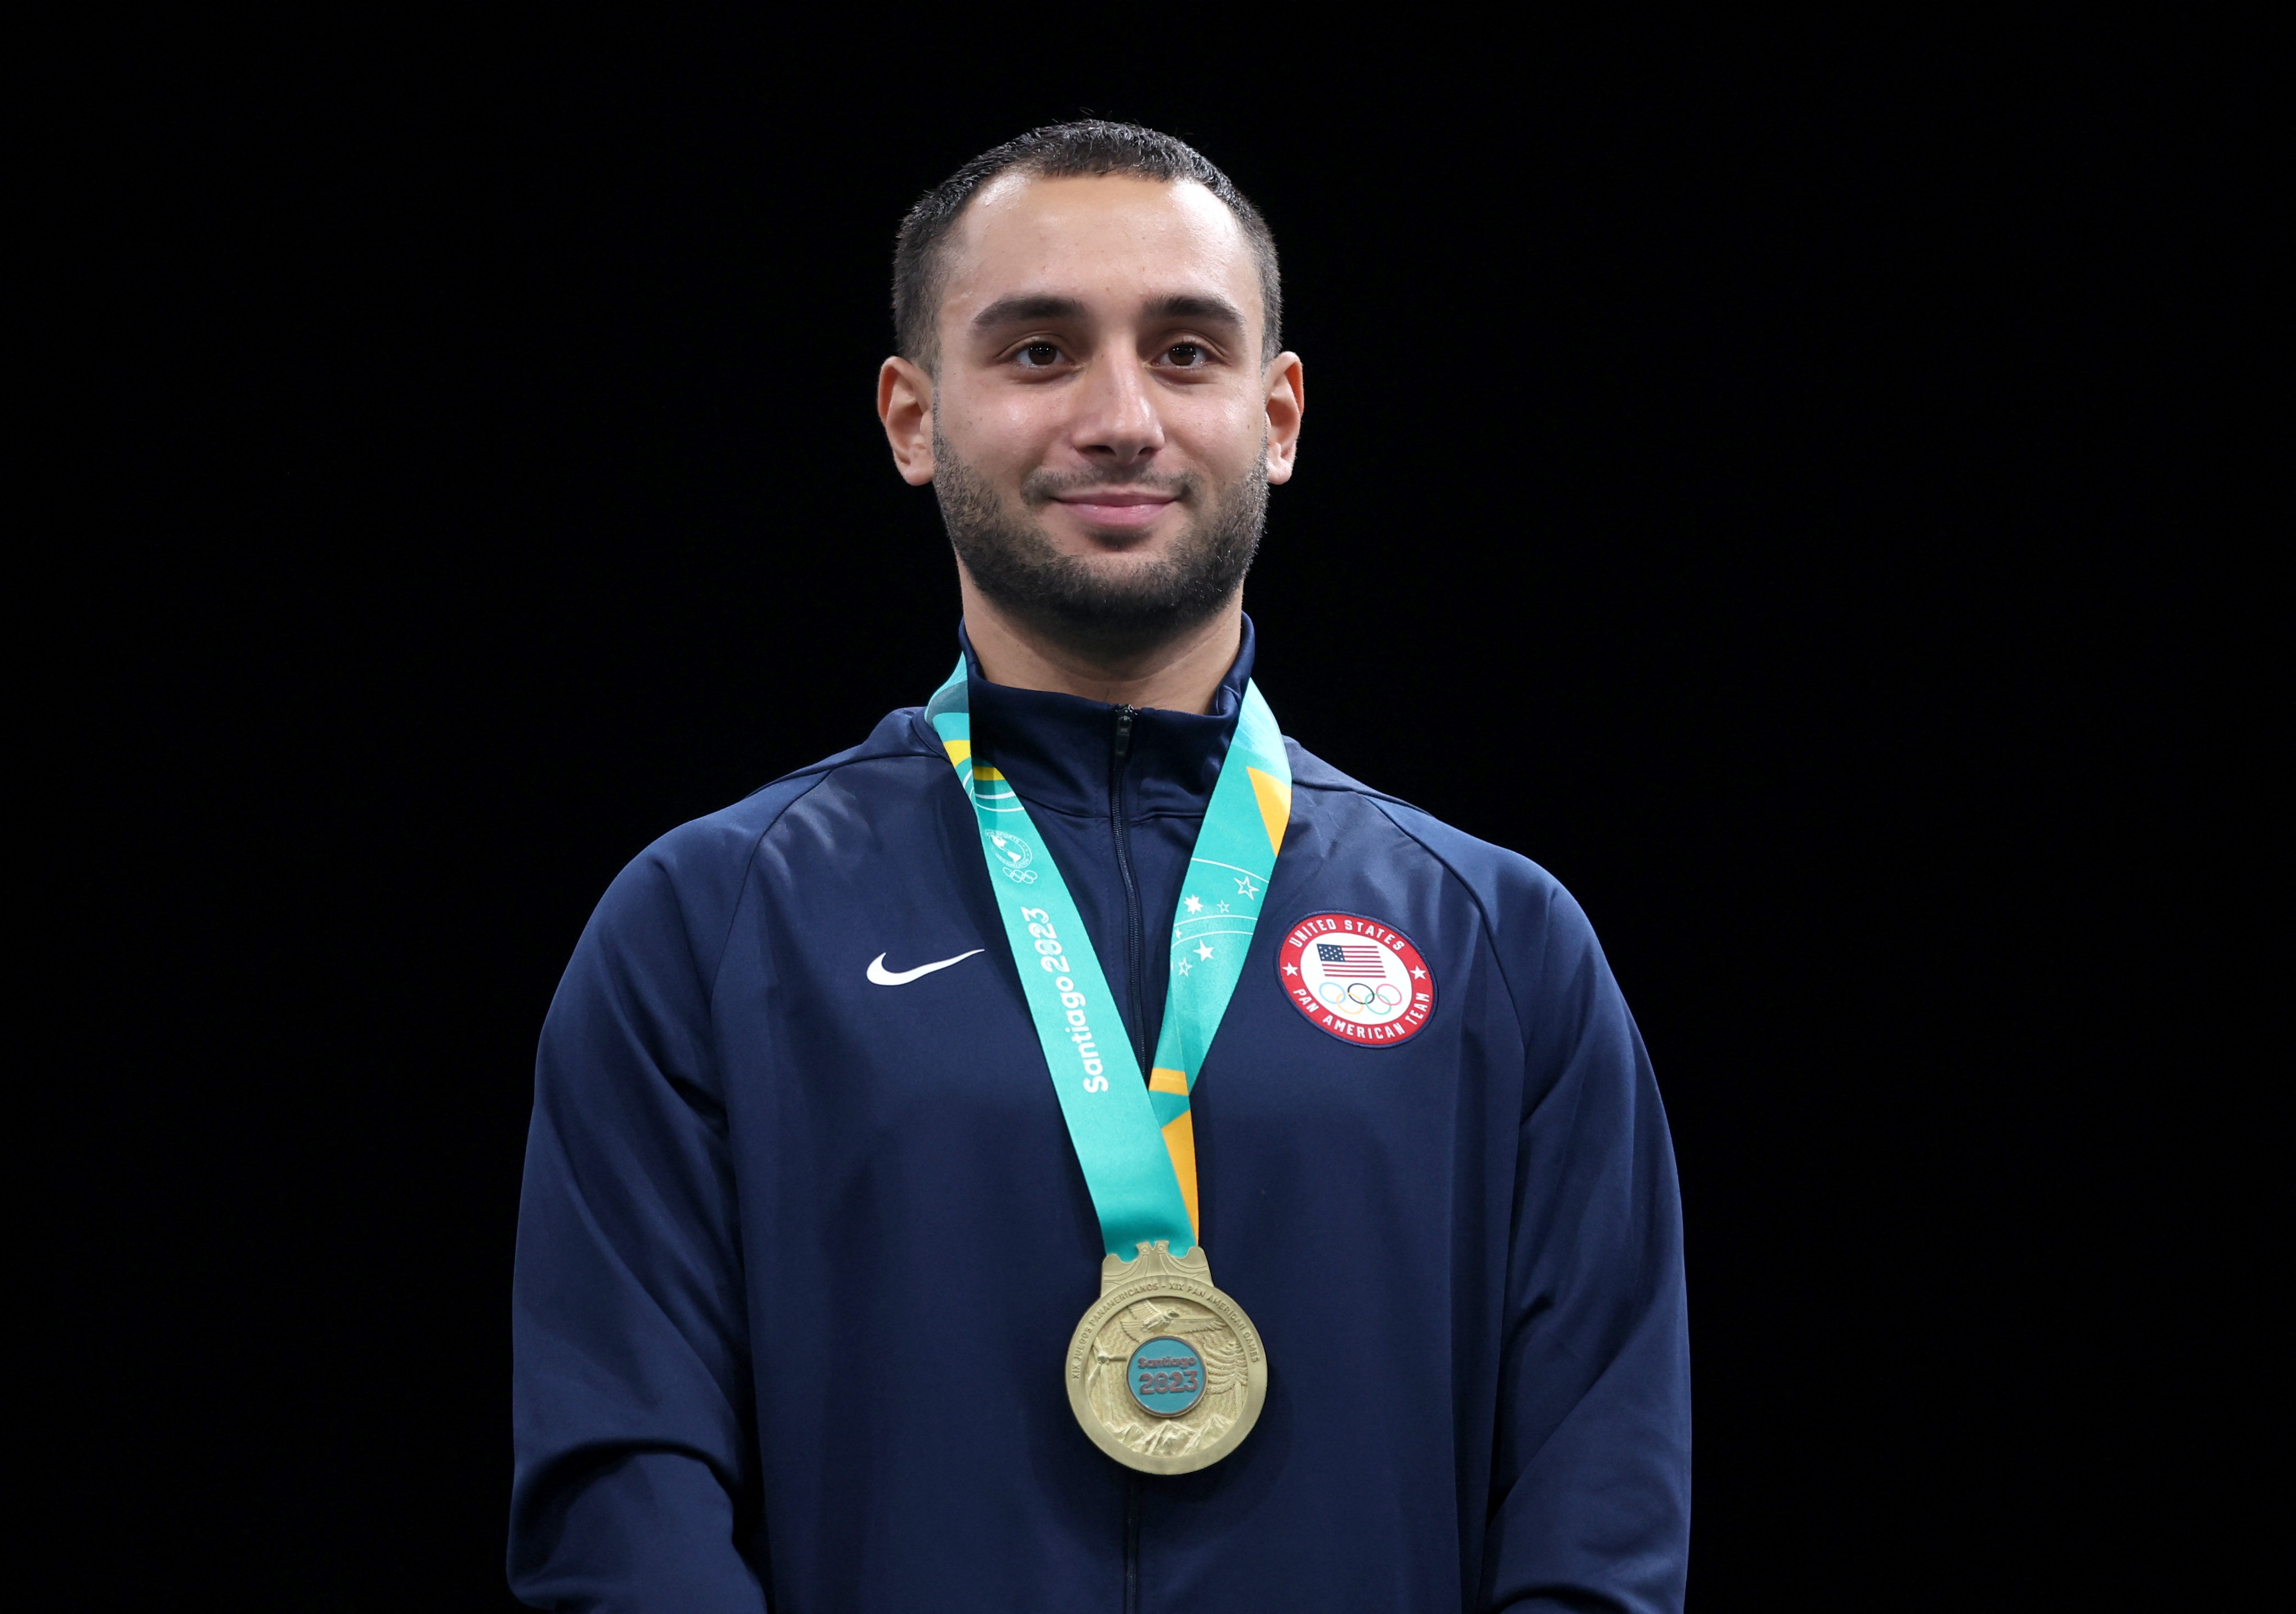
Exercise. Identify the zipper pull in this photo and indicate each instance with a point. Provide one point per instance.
(1124, 715)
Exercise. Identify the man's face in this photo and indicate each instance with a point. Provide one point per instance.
(1099, 425)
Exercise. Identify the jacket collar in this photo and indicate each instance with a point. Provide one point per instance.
(1060, 751)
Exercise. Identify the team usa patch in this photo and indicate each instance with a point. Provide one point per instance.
(1356, 978)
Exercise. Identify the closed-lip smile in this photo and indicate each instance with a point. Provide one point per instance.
(1118, 506)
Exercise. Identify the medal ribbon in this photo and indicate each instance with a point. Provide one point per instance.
(1135, 1140)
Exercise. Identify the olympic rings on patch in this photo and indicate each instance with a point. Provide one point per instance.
(1359, 996)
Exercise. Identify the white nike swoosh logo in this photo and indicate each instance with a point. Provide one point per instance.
(902, 978)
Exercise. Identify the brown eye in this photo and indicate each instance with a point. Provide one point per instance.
(1186, 355)
(1038, 356)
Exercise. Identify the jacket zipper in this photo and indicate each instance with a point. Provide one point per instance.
(1136, 939)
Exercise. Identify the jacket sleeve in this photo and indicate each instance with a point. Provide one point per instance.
(635, 1486)
(1590, 1503)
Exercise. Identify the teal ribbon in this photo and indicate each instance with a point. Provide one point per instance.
(1135, 1139)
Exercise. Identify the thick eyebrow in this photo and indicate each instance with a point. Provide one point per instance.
(1200, 307)
(1026, 307)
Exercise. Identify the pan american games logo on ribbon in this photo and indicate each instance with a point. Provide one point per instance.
(1008, 854)
(1356, 978)
(1014, 856)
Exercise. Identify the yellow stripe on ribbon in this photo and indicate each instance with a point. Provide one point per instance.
(1275, 797)
(1180, 1140)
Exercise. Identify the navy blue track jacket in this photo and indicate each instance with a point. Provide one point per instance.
(800, 1254)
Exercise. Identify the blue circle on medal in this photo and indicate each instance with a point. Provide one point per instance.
(1166, 1376)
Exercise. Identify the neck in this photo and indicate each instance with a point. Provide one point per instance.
(1180, 675)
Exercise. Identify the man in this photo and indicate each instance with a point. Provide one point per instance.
(1077, 1150)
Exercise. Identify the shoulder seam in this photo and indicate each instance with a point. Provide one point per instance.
(1358, 790)
(826, 767)
(820, 771)
(1482, 913)
(756, 845)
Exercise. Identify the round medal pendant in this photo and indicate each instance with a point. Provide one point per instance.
(1166, 1373)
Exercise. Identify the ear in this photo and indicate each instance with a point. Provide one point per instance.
(1287, 401)
(905, 404)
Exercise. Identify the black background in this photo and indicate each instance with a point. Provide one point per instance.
(1780, 484)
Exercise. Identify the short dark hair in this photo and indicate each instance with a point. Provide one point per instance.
(1091, 146)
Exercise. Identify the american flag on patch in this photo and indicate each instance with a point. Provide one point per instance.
(1346, 959)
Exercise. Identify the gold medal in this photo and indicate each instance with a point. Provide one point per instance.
(1165, 1372)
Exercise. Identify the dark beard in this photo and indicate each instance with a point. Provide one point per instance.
(1064, 597)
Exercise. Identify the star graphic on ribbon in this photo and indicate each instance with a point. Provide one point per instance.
(1195, 905)
(1203, 949)
(1223, 908)
(1248, 887)
(1182, 966)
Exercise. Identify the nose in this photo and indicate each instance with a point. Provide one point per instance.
(1116, 423)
